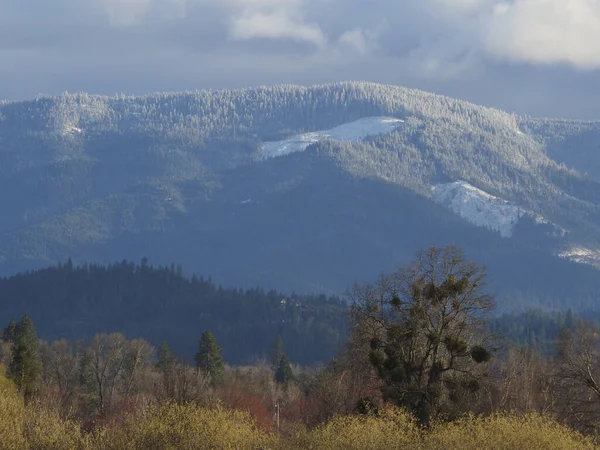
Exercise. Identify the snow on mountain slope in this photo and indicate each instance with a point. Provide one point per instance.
(348, 132)
(582, 255)
(479, 207)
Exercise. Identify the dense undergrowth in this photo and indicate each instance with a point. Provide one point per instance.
(31, 425)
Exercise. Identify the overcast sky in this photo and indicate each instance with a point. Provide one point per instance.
(540, 57)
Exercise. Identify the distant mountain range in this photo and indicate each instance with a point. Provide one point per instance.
(305, 189)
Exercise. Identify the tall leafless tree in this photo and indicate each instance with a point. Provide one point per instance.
(579, 375)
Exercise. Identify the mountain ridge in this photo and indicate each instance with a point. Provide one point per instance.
(104, 178)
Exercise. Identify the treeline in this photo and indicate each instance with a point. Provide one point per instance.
(537, 329)
(160, 304)
(269, 112)
(117, 393)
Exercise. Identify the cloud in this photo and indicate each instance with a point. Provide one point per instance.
(130, 13)
(546, 32)
(356, 39)
(428, 32)
(121, 45)
(275, 25)
(125, 12)
(273, 19)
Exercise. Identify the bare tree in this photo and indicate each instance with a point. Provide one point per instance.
(61, 361)
(139, 356)
(524, 382)
(103, 365)
(579, 375)
(190, 384)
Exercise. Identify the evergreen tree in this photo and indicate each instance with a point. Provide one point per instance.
(167, 366)
(8, 335)
(284, 372)
(165, 358)
(25, 367)
(277, 353)
(208, 358)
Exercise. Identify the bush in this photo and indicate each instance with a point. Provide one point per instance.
(392, 429)
(396, 429)
(173, 426)
(504, 432)
(187, 427)
(45, 430)
(32, 426)
(12, 417)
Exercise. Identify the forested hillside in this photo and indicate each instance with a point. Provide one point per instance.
(159, 304)
(184, 178)
(162, 304)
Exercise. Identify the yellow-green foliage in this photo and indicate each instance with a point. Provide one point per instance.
(393, 429)
(504, 432)
(12, 417)
(33, 427)
(45, 430)
(188, 427)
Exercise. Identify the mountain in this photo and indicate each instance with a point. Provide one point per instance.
(305, 189)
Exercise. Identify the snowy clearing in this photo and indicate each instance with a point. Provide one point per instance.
(582, 255)
(71, 130)
(479, 207)
(348, 132)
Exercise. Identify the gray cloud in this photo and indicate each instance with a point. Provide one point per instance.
(444, 45)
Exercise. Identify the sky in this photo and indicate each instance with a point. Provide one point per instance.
(537, 57)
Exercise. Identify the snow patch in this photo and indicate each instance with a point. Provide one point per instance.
(479, 207)
(348, 132)
(582, 255)
(71, 130)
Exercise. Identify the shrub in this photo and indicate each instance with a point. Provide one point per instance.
(45, 430)
(32, 426)
(504, 432)
(12, 417)
(173, 426)
(392, 429)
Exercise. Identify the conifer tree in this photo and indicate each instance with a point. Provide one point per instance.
(277, 353)
(209, 359)
(166, 359)
(284, 372)
(8, 335)
(25, 367)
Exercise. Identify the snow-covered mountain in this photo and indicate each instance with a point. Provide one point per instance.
(494, 213)
(348, 132)
(175, 177)
(485, 210)
(479, 207)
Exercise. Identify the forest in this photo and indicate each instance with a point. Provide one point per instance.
(161, 304)
(420, 361)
